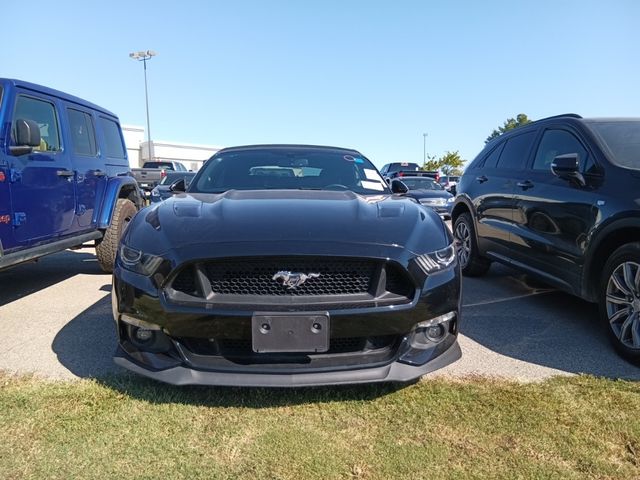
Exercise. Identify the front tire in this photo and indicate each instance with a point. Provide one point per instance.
(471, 262)
(619, 300)
(107, 249)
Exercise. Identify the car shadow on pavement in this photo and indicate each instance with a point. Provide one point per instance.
(27, 278)
(86, 344)
(518, 317)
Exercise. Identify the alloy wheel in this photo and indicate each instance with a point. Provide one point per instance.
(463, 235)
(623, 303)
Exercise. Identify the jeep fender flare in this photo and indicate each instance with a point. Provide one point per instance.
(118, 187)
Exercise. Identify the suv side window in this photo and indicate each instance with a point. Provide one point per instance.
(491, 161)
(516, 151)
(112, 140)
(44, 114)
(384, 169)
(559, 142)
(82, 133)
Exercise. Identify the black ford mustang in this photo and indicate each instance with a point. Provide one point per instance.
(286, 266)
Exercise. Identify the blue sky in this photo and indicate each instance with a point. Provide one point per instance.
(370, 75)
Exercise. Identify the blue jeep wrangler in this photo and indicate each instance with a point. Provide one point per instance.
(64, 175)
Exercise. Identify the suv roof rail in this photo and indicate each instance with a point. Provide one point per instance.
(571, 115)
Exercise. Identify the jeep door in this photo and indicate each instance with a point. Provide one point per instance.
(90, 171)
(42, 183)
(553, 217)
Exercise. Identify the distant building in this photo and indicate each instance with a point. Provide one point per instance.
(191, 156)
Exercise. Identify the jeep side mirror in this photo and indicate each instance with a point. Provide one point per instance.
(178, 186)
(27, 137)
(397, 186)
(567, 168)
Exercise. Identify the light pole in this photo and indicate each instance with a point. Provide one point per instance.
(143, 57)
(424, 148)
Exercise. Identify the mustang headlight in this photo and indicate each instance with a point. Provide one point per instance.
(438, 260)
(139, 262)
(451, 199)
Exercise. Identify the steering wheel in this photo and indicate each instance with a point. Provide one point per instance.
(338, 186)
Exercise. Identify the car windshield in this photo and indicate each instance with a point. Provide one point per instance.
(283, 168)
(173, 176)
(622, 138)
(421, 184)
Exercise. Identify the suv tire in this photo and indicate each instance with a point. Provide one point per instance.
(471, 263)
(619, 300)
(107, 249)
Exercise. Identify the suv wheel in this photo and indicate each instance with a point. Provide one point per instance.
(107, 249)
(471, 263)
(620, 300)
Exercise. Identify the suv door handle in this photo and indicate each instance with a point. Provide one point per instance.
(99, 173)
(65, 173)
(525, 185)
(481, 179)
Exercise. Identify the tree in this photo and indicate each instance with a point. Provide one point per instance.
(431, 163)
(510, 124)
(451, 163)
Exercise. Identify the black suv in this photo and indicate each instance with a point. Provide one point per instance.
(560, 199)
(391, 170)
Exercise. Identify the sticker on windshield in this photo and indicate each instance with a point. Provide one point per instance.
(349, 158)
(358, 160)
(372, 185)
(371, 174)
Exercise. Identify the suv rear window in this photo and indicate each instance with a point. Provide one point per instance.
(622, 138)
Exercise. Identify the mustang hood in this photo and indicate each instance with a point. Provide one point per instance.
(291, 219)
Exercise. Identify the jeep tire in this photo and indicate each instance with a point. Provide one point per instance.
(471, 263)
(107, 248)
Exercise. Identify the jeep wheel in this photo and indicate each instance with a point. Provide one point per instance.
(620, 300)
(108, 247)
(471, 263)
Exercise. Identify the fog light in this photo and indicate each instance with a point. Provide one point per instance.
(435, 332)
(143, 335)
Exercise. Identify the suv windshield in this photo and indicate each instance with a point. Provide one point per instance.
(622, 138)
(280, 168)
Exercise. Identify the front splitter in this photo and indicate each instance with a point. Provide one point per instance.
(394, 372)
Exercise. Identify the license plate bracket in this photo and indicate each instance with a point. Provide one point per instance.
(282, 333)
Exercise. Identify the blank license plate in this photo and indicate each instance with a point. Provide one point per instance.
(280, 333)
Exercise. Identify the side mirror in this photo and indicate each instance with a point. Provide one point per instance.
(27, 137)
(567, 168)
(178, 186)
(397, 186)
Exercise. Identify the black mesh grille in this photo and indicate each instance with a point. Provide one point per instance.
(256, 276)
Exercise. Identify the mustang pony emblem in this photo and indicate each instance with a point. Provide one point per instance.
(293, 279)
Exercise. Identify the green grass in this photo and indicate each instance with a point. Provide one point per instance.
(127, 427)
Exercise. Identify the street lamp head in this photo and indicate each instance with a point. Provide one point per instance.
(142, 55)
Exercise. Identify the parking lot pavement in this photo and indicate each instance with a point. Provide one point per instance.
(56, 321)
